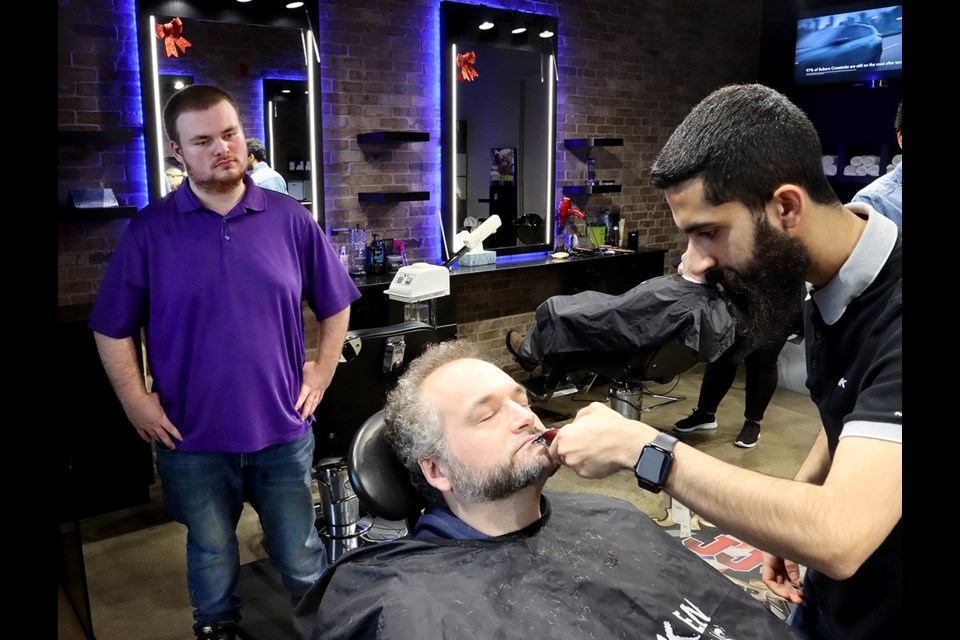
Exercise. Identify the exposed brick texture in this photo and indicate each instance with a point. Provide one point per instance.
(627, 69)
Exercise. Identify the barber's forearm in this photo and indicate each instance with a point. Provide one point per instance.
(770, 513)
(816, 465)
(832, 527)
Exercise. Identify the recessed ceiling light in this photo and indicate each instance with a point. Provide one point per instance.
(546, 33)
(518, 30)
(294, 5)
(486, 25)
(243, 1)
(285, 91)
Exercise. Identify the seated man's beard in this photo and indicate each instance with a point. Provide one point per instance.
(768, 295)
(508, 477)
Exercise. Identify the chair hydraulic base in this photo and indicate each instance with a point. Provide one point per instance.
(626, 398)
(339, 509)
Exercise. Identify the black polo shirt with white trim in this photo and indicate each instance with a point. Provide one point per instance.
(852, 329)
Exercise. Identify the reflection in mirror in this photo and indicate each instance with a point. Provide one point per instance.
(286, 108)
(244, 50)
(498, 128)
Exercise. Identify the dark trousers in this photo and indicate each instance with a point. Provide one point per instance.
(761, 381)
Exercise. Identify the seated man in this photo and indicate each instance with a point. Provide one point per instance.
(657, 311)
(496, 556)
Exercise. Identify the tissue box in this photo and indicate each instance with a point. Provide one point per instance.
(93, 198)
(475, 258)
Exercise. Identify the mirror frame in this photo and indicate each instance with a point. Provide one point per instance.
(228, 11)
(458, 26)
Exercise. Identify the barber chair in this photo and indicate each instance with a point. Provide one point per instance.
(631, 374)
(379, 478)
(371, 362)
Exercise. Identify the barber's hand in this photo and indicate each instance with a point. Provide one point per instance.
(682, 265)
(151, 421)
(782, 577)
(599, 442)
(315, 382)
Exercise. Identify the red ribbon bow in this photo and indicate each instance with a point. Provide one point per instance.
(171, 34)
(567, 210)
(465, 63)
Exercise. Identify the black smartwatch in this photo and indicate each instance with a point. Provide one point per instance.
(656, 459)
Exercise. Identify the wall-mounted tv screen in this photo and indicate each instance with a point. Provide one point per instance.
(853, 45)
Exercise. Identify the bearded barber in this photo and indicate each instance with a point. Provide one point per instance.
(743, 177)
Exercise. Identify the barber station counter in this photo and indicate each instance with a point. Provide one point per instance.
(512, 285)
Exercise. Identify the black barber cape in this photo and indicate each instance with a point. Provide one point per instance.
(667, 309)
(591, 567)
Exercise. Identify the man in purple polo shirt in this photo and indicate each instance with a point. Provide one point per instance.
(216, 272)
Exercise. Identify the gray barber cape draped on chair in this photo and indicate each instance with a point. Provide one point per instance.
(591, 567)
(658, 311)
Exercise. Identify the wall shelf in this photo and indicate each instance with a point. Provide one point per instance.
(383, 197)
(393, 137)
(94, 214)
(587, 189)
(111, 135)
(588, 143)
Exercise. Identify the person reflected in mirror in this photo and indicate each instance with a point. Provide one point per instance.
(175, 177)
(885, 194)
(174, 173)
(216, 273)
(743, 176)
(469, 224)
(495, 554)
(264, 176)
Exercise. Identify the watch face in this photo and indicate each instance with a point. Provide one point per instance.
(653, 467)
(650, 466)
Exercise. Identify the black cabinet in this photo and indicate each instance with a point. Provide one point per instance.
(103, 464)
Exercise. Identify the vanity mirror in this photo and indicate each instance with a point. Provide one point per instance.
(264, 55)
(498, 124)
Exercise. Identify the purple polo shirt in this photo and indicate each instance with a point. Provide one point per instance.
(220, 298)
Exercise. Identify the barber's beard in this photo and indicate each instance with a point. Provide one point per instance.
(472, 486)
(767, 296)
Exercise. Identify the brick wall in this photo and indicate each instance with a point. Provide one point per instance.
(627, 69)
(489, 305)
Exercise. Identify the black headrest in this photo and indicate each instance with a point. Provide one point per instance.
(379, 479)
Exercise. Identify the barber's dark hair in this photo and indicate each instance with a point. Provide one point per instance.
(255, 146)
(898, 122)
(197, 97)
(744, 141)
(412, 422)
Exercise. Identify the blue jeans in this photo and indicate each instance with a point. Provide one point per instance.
(206, 492)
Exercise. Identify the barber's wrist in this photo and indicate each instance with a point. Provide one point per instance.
(635, 441)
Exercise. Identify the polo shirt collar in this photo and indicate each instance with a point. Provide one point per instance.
(252, 200)
(861, 268)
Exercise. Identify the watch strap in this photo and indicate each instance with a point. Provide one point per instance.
(664, 440)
